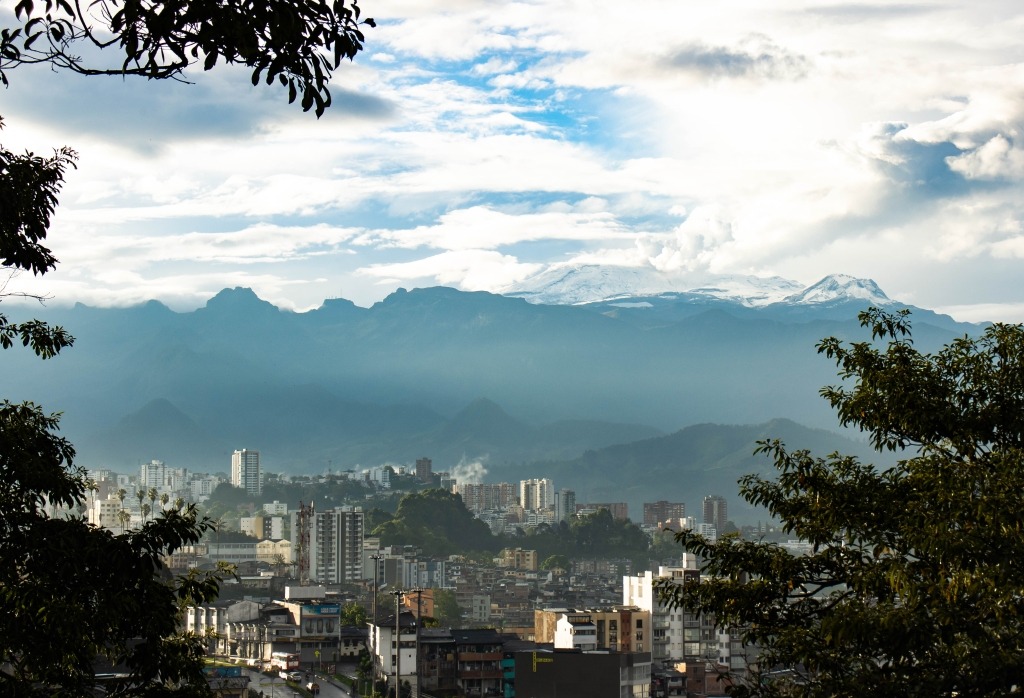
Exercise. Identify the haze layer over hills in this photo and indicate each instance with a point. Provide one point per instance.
(456, 376)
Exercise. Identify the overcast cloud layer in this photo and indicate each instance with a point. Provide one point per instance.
(476, 143)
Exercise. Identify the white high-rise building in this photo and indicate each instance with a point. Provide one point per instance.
(153, 474)
(678, 635)
(536, 494)
(336, 545)
(246, 472)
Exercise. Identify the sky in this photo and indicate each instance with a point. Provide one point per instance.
(474, 144)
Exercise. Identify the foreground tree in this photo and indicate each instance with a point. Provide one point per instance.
(296, 43)
(914, 586)
(73, 596)
(76, 599)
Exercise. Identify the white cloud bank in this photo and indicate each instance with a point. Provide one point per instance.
(476, 143)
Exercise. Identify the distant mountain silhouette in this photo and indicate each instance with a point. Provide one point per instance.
(158, 427)
(344, 387)
(686, 465)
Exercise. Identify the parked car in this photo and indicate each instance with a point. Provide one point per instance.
(291, 676)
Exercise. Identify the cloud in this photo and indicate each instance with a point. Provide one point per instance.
(997, 159)
(135, 114)
(763, 61)
(693, 245)
(495, 65)
(864, 12)
(480, 139)
(484, 228)
(256, 244)
(469, 270)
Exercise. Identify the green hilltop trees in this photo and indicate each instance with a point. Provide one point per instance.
(915, 586)
(73, 596)
(438, 522)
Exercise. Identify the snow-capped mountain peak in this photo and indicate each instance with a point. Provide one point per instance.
(591, 283)
(840, 287)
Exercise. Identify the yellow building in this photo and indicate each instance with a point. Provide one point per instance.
(619, 628)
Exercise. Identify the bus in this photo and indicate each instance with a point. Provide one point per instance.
(284, 661)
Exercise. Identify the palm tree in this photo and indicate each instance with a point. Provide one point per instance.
(145, 511)
(124, 517)
(164, 498)
(152, 497)
(179, 503)
(141, 494)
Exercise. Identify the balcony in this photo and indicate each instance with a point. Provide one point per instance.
(479, 656)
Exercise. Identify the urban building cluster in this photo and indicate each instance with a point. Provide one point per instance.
(518, 628)
(630, 646)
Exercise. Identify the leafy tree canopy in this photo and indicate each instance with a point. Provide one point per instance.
(72, 594)
(446, 608)
(354, 613)
(914, 584)
(437, 521)
(296, 43)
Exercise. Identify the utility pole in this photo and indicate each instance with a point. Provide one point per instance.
(373, 603)
(419, 594)
(398, 642)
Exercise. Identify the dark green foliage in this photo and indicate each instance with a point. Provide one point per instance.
(438, 522)
(597, 535)
(446, 608)
(601, 535)
(914, 586)
(355, 614)
(71, 594)
(555, 562)
(29, 186)
(296, 43)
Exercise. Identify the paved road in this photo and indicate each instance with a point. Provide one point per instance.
(275, 687)
(330, 689)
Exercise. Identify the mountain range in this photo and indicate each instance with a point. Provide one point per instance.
(520, 388)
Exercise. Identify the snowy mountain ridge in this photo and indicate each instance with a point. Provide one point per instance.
(588, 283)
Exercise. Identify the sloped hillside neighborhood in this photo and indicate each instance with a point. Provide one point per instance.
(319, 599)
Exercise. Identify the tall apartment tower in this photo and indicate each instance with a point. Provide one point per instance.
(536, 494)
(245, 471)
(336, 545)
(716, 512)
(153, 474)
(424, 469)
(658, 512)
(565, 505)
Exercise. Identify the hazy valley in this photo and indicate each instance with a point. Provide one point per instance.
(603, 396)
